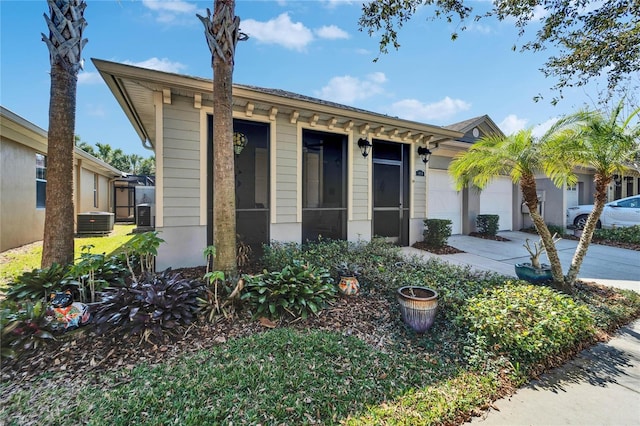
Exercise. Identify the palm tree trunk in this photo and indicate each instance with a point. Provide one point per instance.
(66, 25)
(530, 195)
(601, 183)
(222, 33)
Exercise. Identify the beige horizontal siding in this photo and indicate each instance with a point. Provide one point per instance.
(181, 177)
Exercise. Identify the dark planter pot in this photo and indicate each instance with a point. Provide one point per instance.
(418, 306)
(526, 272)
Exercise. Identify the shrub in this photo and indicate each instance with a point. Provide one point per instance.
(298, 289)
(37, 284)
(153, 305)
(487, 224)
(437, 232)
(22, 327)
(94, 271)
(526, 323)
(144, 249)
(629, 234)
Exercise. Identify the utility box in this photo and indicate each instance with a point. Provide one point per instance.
(145, 215)
(95, 222)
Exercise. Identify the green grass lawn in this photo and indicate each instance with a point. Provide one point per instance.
(16, 263)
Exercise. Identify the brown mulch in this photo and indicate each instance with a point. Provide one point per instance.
(488, 237)
(436, 250)
(81, 355)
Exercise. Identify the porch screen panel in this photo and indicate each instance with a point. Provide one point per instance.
(324, 195)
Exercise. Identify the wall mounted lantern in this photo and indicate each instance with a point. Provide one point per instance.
(365, 147)
(239, 142)
(424, 153)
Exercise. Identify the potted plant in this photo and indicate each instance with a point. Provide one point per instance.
(349, 273)
(418, 306)
(534, 271)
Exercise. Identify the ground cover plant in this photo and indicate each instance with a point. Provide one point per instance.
(353, 361)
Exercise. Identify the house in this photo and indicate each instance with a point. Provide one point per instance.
(300, 164)
(23, 180)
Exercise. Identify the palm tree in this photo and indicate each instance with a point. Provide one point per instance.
(222, 31)
(608, 145)
(521, 157)
(66, 25)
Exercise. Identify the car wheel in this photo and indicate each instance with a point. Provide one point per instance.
(581, 221)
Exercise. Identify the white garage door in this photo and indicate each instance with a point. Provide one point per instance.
(497, 198)
(444, 201)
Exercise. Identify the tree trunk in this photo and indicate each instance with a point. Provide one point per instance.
(530, 195)
(602, 183)
(224, 194)
(66, 24)
(222, 33)
(59, 222)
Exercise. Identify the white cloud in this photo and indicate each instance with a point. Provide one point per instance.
(542, 128)
(413, 109)
(331, 32)
(178, 6)
(335, 3)
(361, 51)
(170, 11)
(347, 89)
(479, 28)
(163, 64)
(512, 123)
(281, 31)
(85, 77)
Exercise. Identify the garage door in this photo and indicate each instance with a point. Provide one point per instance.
(497, 198)
(444, 201)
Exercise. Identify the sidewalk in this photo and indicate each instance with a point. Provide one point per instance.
(601, 386)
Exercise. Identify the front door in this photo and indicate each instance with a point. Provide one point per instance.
(391, 192)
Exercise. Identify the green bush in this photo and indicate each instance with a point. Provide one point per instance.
(298, 289)
(629, 234)
(487, 224)
(526, 323)
(22, 327)
(437, 232)
(37, 284)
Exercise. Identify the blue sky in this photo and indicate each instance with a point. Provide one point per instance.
(308, 47)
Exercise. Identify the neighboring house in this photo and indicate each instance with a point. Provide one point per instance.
(301, 174)
(23, 180)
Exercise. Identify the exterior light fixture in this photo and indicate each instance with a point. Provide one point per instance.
(424, 153)
(239, 142)
(365, 147)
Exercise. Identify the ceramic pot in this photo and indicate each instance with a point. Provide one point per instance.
(418, 306)
(525, 271)
(349, 286)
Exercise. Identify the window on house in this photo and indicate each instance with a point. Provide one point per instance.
(41, 180)
(95, 190)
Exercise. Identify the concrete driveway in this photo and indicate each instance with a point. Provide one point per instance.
(606, 265)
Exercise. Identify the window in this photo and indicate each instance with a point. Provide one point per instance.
(41, 180)
(95, 190)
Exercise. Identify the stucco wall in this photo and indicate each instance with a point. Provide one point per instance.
(20, 221)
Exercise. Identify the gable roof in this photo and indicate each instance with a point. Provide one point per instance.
(483, 123)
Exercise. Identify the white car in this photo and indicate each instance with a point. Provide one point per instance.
(618, 213)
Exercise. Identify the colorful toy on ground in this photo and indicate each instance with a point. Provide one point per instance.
(67, 314)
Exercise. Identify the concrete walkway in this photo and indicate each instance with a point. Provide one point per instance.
(606, 265)
(601, 386)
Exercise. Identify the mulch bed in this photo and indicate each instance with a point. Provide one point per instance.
(436, 250)
(488, 237)
(81, 355)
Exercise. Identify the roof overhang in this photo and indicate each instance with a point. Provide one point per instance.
(136, 88)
